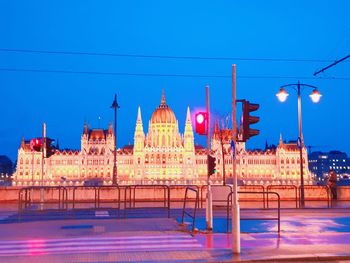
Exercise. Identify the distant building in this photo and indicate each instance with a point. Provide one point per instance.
(162, 156)
(321, 162)
(6, 170)
(6, 165)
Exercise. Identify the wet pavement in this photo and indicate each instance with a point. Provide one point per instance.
(147, 235)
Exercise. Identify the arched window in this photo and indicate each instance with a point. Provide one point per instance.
(287, 161)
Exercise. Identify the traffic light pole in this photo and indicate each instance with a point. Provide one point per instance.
(236, 231)
(209, 201)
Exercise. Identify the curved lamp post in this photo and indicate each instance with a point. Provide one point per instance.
(115, 106)
(315, 96)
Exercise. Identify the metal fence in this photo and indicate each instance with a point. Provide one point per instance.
(278, 218)
(185, 210)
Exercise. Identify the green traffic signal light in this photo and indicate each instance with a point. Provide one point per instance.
(211, 165)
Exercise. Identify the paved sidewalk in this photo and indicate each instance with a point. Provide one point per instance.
(306, 235)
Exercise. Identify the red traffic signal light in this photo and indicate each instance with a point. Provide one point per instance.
(36, 144)
(201, 123)
(211, 165)
(248, 120)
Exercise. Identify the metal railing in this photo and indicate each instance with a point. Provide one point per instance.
(95, 199)
(130, 199)
(254, 188)
(180, 187)
(29, 198)
(184, 212)
(278, 218)
(87, 200)
(323, 188)
(283, 187)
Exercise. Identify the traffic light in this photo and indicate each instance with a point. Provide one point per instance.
(201, 123)
(211, 165)
(36, 144)
(50, 148)
(248, 120)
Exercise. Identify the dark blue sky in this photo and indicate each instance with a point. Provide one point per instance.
(311, 30)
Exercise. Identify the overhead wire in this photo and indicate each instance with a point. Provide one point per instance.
(58, 52)
(164, 75)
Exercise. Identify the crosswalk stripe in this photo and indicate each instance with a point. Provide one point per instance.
(62, 244)
(101, 213)
(96, 238)
(74, 246)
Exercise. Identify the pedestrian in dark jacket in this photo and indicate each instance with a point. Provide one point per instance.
(332, 183)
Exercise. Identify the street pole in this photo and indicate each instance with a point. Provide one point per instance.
(115, 106)
(209, 210)
(43, 154)
(302, 194)
(236, 231)
(223, 157)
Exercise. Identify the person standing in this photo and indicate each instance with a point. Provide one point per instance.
(332, 183)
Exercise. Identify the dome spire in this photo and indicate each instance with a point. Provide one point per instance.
(163, 102)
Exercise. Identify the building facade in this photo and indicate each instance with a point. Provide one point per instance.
(321, 162)
(161, 156)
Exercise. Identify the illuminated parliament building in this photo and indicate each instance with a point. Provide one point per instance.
(161, 156)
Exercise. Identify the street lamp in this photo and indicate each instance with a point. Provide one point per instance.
(315, 97)
(115, 106)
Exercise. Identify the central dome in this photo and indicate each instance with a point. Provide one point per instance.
(163, 114)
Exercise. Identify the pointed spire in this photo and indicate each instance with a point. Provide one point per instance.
(110, 128)
(163, 102)
(139, 126)
(188, 124)
(139, 119)
(22, 143)
(188, 115)
(85, 128)
(58, 144)
(281, 141)
(216, 127)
